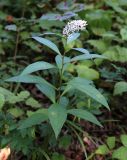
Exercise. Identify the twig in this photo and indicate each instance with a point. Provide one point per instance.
(16, 46)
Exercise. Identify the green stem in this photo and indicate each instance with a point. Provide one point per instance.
(80, 130)
(75, 126)
(89, 103)
(16, 88)
(91, 156)
(61, 76)
(81, 142)
(45, 155)
(16, 45)
(18, 34)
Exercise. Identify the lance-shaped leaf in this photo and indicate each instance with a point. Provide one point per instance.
(47, 43)
(48, 33)
(85, 87)
(27, 79)
(82, 50)
(84, 115)
(86, 56)
(47, 90)
(35, 119)
(42, 84)
(72, 37)
(36, 67)
(57, 115)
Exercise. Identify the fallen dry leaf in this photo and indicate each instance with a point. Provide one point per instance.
(4, 153)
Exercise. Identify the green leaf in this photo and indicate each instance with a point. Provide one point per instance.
(16, 112)
(69, 46)
(42, 110)
(111, 142)
(108, 36)
(120, 87)
(13, 99)
(48, 25)
(64, 101)
(116, 53)
(100, 45)
(19, 98)
(52, 33)
(70, 87)
(57, 115)
(82, 50)
(50, 16)
(72, 37)
(81, 80)
(11, 27)
(7, 94)
(123, 33)
(3, 14)
(65, 141)
(27, 79)
(120, 153)
(113, 3)
(48, 90)
(99, 21)
(41, 84)
(36, 67)
(59, 60)
(47, 43)
(86, 56)
(102, 149)
(33, 120)
(32, 45)
(33, 103)
(57, 156)
(2, 101)
(117, 5)
(84, 86)
(84, 115)
(124, 139)
(22, 96)
(86, 72)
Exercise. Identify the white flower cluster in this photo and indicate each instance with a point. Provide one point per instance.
(73, 26)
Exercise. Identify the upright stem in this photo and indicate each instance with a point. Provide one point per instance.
(61, 76)
(18, 35)
(80, 141)
(16, 46)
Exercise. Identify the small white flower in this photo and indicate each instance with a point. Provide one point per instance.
(74, 26)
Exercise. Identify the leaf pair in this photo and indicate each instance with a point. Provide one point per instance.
(57, 115)
(70, 38)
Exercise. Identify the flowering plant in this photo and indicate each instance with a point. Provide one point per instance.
(74, 26)
(60, 106)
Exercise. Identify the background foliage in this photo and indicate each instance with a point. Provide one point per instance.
(106, 35)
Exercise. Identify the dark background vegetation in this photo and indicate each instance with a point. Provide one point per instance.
(106, 34)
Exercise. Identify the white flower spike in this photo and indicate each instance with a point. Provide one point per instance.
(74, 26)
